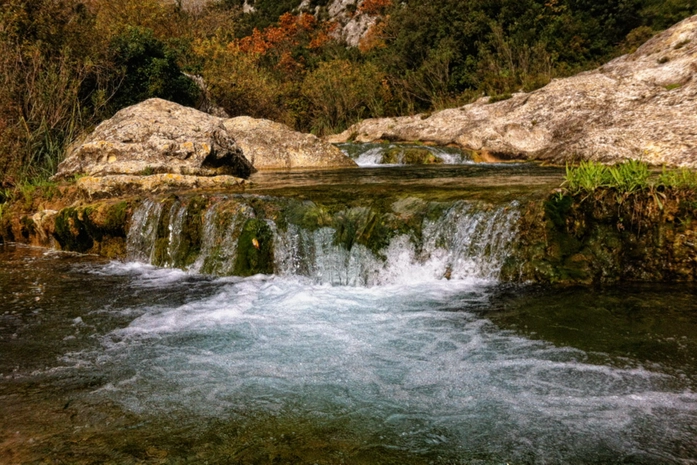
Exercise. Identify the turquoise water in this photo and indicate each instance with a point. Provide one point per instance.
(411, 355)
(124, 362)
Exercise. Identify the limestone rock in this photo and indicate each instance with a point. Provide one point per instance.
(157, 136)
(269, 145)
(95, 187)
(638, 106)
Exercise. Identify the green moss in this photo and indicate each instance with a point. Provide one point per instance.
(161, 248)
(557, 208)
(607, 238)
(71, 231)
(410, 156)
(420, 157)
(191, 234)
(391, 156)
(254, 249)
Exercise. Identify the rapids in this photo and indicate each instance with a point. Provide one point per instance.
(364, 345)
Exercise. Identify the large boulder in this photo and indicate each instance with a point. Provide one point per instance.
(269, 146)
(157, 136)
(639, 106)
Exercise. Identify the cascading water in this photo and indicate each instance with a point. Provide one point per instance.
(372, 155)
(365, 326)
(358, 246)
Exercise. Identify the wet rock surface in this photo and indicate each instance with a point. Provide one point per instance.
(607, 238)
(638, 106)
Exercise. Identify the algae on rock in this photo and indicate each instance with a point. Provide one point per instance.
(606, 238)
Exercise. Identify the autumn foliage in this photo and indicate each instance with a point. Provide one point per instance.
(374, 7)
(65, 65)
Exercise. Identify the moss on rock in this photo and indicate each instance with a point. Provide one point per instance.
(606, 237)
(254, 249)
(409, 156)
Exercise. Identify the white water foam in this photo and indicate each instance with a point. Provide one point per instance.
(417, 360)
(468, 241)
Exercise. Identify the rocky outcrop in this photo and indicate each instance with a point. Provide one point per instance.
(96, 187)
(157, 136)
(269, 145)
(606, 237)
(638, 106)
(159, 145)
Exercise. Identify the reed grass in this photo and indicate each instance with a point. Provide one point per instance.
(628, 177)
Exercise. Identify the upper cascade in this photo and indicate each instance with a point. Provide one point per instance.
(638, 106)
(359, 246)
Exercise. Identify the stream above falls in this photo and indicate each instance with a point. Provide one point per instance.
(378, 333)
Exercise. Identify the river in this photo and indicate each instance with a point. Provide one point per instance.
(411, 352)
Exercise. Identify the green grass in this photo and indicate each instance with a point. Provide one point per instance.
(682, 178)
(587, 176)
(628, 177)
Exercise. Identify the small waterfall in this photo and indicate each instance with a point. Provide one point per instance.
(367, 155)
(143, 232)
(413, 240)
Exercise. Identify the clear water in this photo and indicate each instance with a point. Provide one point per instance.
(124, 363)
(109, 362)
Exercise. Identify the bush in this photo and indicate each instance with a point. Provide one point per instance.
(341, 92)
(149, 69)
(239, 84)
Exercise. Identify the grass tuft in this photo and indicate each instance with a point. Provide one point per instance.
(626, 178)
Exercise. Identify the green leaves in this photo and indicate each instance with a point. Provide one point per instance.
(149, 69)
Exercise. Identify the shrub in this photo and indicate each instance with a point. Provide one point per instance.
(238, 83)
(341, 92)
(149, 69)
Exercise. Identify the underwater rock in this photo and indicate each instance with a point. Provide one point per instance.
(269, 145)
(154, 137)
(638, 106)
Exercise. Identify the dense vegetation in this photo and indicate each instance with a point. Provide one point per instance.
(67, 64)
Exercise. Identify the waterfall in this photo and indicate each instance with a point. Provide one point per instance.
(412, 240)
(388, 154)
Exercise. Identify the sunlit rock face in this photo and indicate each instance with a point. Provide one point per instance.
(157, 136)
(172, 145)
(270, 145)
(638, 106)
